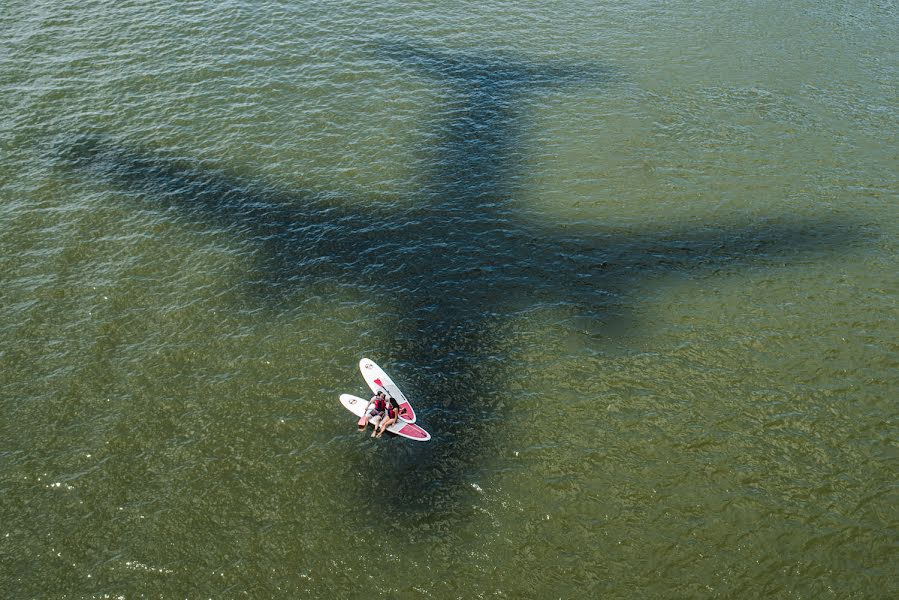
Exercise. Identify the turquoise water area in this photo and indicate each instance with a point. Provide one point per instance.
(633, 262)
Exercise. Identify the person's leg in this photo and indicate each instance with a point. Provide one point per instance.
(387, 423)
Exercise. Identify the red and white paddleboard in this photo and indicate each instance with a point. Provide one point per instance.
(379, 381)
(356, 405)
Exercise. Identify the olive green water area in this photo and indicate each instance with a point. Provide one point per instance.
(634, 263)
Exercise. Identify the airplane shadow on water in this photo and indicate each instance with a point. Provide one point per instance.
(456, 266)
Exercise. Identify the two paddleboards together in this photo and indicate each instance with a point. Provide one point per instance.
(379, 381)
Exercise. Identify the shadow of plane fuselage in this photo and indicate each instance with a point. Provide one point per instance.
(453, 290)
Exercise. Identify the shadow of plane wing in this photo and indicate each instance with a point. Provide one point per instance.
(708, 246)
(299, 235)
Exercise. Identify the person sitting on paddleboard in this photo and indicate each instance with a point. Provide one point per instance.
(373, 411)
(390, 416)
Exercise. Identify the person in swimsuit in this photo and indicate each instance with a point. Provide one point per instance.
(373, 412)
(390, 416)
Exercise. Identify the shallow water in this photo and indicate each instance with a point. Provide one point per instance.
(634, 265)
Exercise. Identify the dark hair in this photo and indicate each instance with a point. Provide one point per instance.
(394, 402)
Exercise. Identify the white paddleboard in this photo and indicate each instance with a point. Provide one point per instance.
(379, 381)
(356, 405)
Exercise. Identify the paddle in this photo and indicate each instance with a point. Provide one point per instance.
(363, 420)
(381, 385)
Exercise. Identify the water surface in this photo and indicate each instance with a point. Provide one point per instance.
(633, 263)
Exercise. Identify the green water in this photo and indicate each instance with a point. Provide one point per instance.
(633, 262)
